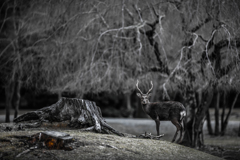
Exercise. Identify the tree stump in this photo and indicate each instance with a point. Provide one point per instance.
(82, 114)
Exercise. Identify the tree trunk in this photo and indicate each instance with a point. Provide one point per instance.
(217, 113)
(9, 90)
(209, 125)
(223, 110)
(12, 93)
(80, 113)
(59, 94)
(16, 96)
(239, 130)
(189, 130)
(17, 66)
(138, 113)
(205, 99)
(129, 105)
(228, 115)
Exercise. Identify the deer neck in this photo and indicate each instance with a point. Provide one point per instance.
(146, 107)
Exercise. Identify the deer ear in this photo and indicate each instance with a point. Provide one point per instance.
(149, 95)
(139, 95)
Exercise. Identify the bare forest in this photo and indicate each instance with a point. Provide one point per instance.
(98, 49)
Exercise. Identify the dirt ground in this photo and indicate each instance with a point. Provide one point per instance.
(227, 147)
(92, 146)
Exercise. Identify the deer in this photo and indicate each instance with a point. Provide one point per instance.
(163, 111)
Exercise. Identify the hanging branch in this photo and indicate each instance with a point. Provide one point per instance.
(178, 65)
(163, 68)
(206, 50)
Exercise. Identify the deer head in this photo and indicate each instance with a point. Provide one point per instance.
(144, 97)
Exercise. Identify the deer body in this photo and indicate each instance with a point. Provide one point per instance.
(164, 111)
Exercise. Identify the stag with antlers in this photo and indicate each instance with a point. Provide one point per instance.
(164, 111)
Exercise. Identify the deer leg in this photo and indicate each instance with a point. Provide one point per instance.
(157, 126)
(178, 126)
(181, 131)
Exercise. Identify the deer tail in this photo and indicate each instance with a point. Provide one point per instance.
(182, 116)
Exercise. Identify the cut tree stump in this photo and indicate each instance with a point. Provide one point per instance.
(82, 114)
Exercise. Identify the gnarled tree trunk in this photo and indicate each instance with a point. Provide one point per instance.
(82, 114)
(205, 98)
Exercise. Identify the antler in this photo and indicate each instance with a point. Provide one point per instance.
(138, 88)
(141, 91)
(150, 88)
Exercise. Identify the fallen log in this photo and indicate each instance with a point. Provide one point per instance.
(79, 113)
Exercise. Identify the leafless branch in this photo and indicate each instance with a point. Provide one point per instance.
(206, 50)
(178, 64)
